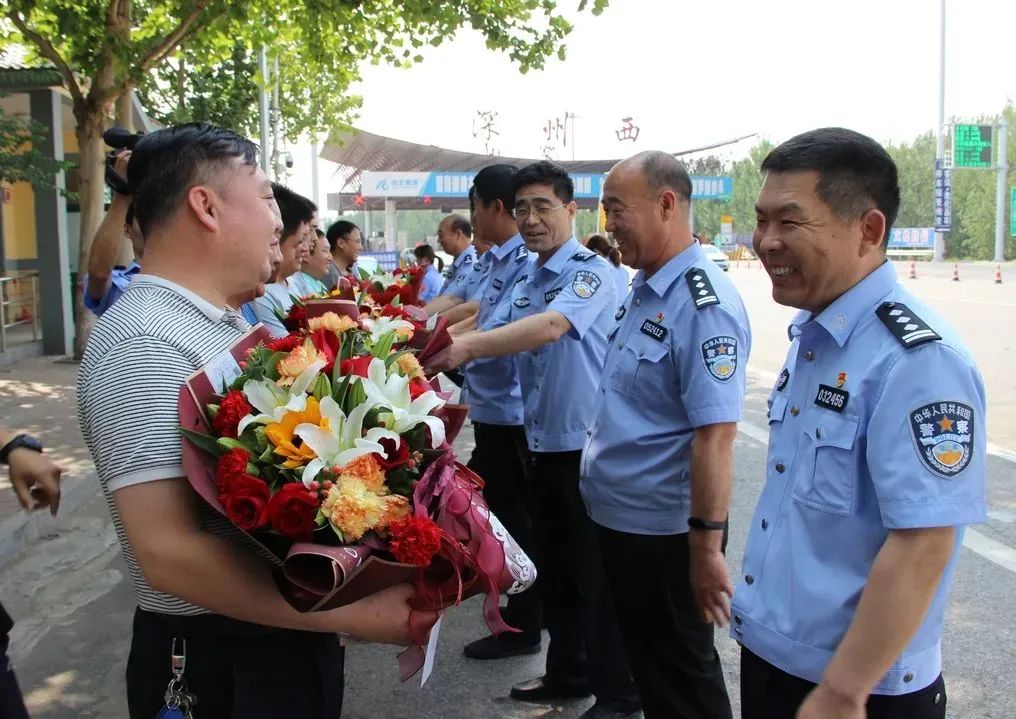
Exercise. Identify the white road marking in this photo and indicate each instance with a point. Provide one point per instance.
(992, 550)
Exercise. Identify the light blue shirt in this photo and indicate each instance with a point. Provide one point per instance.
(303, 285)
(676, 362)
(558, 378)
(491, 385)
(277, 299)
(866, 435)
(247, 310)
(431, 285)
(119, 279)
(622, 280)
(481, 268)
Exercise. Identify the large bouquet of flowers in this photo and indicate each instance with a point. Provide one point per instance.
(332, 450)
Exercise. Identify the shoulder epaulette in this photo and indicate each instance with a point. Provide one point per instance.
(522, 253)
(583, 255)
(904, 325)
(702, 292)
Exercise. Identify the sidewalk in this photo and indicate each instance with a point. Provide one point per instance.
(37, 397)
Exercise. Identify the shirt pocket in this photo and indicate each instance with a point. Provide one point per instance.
(642, 371)
(825, 475)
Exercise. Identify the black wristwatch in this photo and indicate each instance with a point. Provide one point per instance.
(696, 523)
(20, 441)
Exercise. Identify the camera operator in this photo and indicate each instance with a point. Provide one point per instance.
(105, 282)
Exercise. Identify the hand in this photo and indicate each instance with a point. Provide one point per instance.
(122, 158)
(36, 480)
(382, 617)
(826, 703)
(448, 359)
(709, 581)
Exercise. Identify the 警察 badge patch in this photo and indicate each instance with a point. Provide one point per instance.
(720, 356)
(585, 284)
(944, 436)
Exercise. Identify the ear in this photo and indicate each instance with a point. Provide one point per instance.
(203, 202)
(873, 229)
(573, 209)
(667, 202)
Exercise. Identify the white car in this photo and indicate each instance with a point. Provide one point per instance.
(715, 254)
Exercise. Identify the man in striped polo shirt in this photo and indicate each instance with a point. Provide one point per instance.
(206, 211)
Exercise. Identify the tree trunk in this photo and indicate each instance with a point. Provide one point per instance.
(125, 110)
(91, 123)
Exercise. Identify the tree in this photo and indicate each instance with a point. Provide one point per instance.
(104, 48)
(20, 161)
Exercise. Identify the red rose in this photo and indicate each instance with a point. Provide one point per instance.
(244, 499)
(384, 297)
(230, 465)
(418, 386)
(296, 318)
(407, 295)
(394, 457)
(415, 540)
(232, 409)
(291, 511)
(286, 344)
(396, 312)
(329, 344)
(356, 366)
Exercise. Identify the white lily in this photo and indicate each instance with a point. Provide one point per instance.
(391, 391)
(381, 326)
(342, 440)
(272, 401)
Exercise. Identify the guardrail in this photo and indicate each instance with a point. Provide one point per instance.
(19, 304)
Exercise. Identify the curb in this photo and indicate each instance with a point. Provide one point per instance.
(24, 528)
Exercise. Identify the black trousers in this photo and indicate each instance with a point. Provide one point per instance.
(585, 641)
(771, 693)
(12, 705)
(501, 458)
(670, 646)
(235, 669)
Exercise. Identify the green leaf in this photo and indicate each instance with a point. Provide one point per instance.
(394, 357)
(204, 442)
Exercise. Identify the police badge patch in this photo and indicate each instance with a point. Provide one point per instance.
(782, 381)
(944, 436)
(585, 284)
(548, 297)
(620, 313)
(720, 356)
(521, 302)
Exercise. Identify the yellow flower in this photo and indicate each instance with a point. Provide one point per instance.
(280, 434)
(366, 470)
(410, 366)
(298, 360)
(352, 508)
(396, 508)
(333, 322)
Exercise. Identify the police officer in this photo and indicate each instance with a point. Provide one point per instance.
(658, 463)
(556, 326)
(491, 389)
(876, 455)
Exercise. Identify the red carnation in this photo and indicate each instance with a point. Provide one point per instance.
(396, 312)
(296, 318)
(329, 344)
(291, 511)
(418, 387)
(286, 344)
(356, 366)
(244, 498)
(232, 409)
(394, 457)
(230, 465)
(384, 297)
(415, 540)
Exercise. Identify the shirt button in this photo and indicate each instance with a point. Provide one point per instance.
(638, 302)
(809, 355)
(795, 411)
(780, 467)
(749, 580)
(765, 524)
(738, 620)
(908, 677)
(589, 433)
(642, 353)
(620, 345)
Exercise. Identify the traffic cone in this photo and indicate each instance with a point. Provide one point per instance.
(998, 274)
(913, 271)
(956, 273)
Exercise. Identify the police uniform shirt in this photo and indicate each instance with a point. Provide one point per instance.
(464, 276)
(119, 279)
(431, 285)
(491, 384)
(622, 281)
(558, 379)
(676, 361)
(876, 423)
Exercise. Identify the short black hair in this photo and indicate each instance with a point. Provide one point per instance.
(458, 223)
(661, 169)
(424, 251)
(494, 182)
(339, 231)
(855, 172)
(319, 233)
(166, 163)
(545, 172)
(294, 208)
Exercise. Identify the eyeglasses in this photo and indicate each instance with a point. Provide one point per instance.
(522, 212)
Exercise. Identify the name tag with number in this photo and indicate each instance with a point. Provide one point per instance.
(832, 398)
(656, 331)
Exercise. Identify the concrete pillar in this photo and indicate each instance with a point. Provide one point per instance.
(55, 299)
(391, 231)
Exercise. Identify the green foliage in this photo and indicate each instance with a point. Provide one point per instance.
(20, 161)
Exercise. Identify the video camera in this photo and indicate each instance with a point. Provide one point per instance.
(119, 139)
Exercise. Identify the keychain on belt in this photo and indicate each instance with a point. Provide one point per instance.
(178, 700)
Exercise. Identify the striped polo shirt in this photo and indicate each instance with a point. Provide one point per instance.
(139, 354)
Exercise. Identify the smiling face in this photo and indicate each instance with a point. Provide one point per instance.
(811, 254)
(545, 220)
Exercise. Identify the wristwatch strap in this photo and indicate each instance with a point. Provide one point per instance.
(697, 523)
